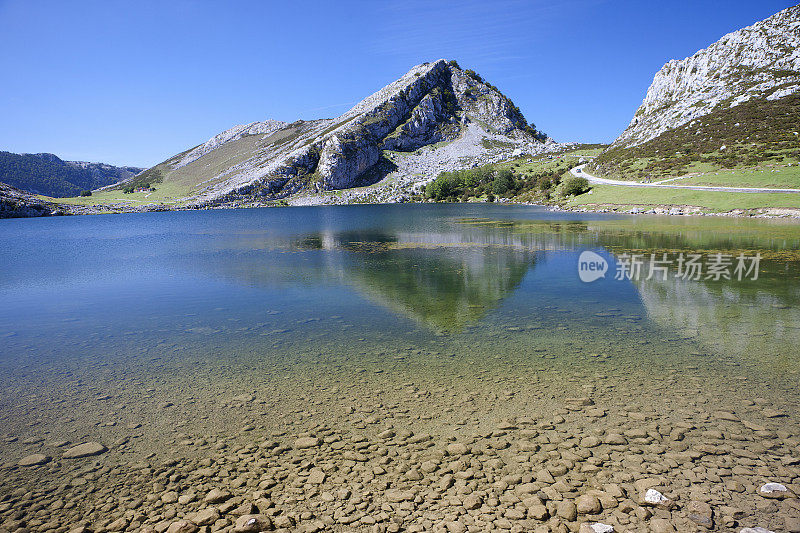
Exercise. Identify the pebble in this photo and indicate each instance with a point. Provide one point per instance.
(654, 498)
(33, 460)
(316, 476)
(567, 510)
(182, 526)
(774, 490)
(700, 513)
(307, 442)
(216, 496)
(86, 449)
(588, 504)
(597, 527)
(118, 525)
(252, 523)
(472, 501)
(206, 517)
(661, 525)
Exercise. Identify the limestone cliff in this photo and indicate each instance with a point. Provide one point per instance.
(759, 61)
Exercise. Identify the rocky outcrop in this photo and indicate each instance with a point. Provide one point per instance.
(15, 203)
(432, 104)
(759, 61)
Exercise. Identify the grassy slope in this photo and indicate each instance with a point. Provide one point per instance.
(172, 186)
(762, 149)
(756, 133)
(620, 197)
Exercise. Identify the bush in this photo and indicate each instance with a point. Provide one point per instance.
(503, 182)
(574, 185)
(86, 193)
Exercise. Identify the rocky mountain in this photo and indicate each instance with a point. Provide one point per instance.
(436, 117)
(48, 175)
(759, 62)
(15, 203)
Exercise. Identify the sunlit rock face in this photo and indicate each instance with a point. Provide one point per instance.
(762, 60)
(456, 116)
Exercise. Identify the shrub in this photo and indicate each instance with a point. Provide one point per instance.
(503, 182)
(86, 193)
(574, 185)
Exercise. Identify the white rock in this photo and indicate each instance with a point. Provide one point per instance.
(773, 490)
(653, 497)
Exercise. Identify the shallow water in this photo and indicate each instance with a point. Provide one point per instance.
(187, 341)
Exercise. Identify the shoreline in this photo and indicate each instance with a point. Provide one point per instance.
(611, 209)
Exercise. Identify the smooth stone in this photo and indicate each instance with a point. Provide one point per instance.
(33, 460)
(307, 442)
(316, 476)
(590, 442)
(588, 504)
(252, 523)
(85, 450)
(182, 526)
(457, 448)
(774, 490)
(567, 510)
(216, 496)
(755, 530)
(615, 439)
(206, 517)
(597, 527)
(700, 513)
(661, 525)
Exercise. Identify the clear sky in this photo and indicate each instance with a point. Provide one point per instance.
(138, 81)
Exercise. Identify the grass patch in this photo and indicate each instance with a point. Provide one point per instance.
(620, 196)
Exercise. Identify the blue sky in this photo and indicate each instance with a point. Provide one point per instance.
(136, 82)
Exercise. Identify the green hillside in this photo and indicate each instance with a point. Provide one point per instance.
(752, 136)
(48, 175)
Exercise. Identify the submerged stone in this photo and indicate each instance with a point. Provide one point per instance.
(86, 449)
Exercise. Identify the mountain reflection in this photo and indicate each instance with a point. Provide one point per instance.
(442, 282)
(449, 277)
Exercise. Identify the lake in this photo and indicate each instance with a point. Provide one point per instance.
(398, 368)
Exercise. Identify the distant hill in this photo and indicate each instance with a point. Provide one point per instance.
(49, 175)
(735, 103)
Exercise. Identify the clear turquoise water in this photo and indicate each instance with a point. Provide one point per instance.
(297, 303)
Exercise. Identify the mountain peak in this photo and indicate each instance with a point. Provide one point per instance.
(437, 114)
